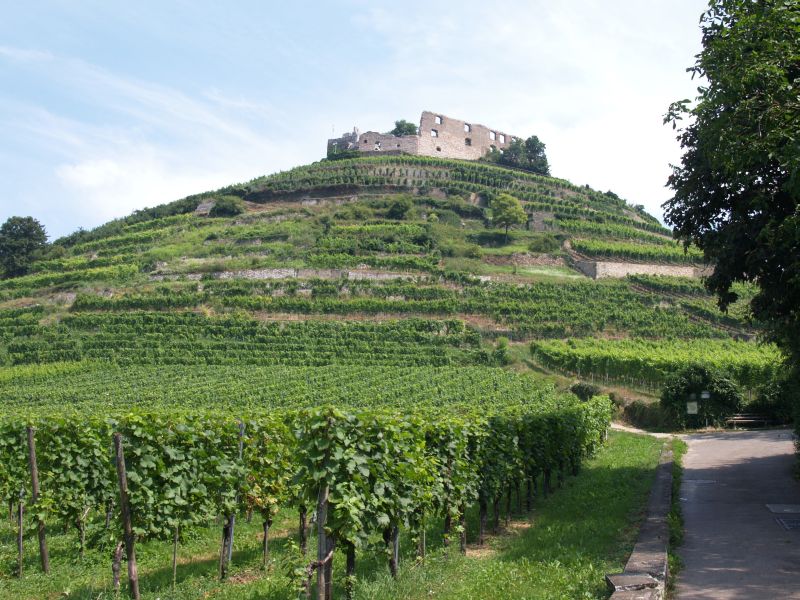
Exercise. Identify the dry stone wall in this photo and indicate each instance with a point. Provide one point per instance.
(606, 269)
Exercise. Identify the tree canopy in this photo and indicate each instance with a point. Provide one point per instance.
(528, 154)
(22, 239)
(507, 211)
(737, 189)
(712, 393)
(403, 127)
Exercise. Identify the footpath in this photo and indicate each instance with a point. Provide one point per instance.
(741, 507)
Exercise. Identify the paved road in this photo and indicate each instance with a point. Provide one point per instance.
(734, 546)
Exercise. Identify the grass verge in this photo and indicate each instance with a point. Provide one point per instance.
(675, 517)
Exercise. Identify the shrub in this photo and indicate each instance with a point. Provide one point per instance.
(716, 395)
(502, 355)
(585, 391)
(543, 243)
(400, 208)
(776, 398)
(646, 415)
(227, 206)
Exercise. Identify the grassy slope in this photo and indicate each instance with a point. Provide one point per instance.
(578, 534)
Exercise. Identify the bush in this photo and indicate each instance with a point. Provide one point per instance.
(776, 398)
(691, 384)
(400, 208)
(502, 354)
(227, 206)
(543, 243)
(585, 391)
(645, 415)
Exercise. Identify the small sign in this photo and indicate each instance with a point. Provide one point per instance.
(691, 408)
(705, 395)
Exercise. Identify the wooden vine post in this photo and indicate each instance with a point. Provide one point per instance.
(124, 504)
(322, 540)
(226, 552)
(40, 529)
(20, 531)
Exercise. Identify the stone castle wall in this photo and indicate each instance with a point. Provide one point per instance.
(438, 135)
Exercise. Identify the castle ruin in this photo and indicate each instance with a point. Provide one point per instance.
(438, 135)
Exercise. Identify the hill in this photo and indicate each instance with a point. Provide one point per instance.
(369, 261)
(353, 336)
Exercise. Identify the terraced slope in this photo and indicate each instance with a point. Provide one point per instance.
(348, 327)
(388, 261)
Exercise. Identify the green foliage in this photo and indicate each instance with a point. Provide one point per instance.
(528, 155)
(777, 397)
(653, 361)
(403, 127)
(691, 384)
(381, 468)
(737, 190)
(227, 206)
(610, 230)
(544, 243)
(400, 208)
(585, 391)
(652, 252)
(507, 212)
(22, 240)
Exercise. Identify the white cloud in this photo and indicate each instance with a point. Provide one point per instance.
(591, 79)
(154, 145)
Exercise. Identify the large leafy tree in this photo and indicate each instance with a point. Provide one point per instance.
(22, 239)
(737, 189)
(507, 211)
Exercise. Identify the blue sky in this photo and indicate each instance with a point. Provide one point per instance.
(106, 106)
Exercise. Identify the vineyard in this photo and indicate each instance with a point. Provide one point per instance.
(364, 473)
(648, 362)
(343, 364)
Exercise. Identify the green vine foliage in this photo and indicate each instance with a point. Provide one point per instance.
(383, 469)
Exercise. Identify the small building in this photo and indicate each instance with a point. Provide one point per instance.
(438, 135)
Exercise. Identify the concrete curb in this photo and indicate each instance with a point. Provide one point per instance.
(645, 574)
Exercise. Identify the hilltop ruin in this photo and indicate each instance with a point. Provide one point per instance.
(438, 135)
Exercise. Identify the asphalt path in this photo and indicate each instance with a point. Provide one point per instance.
(737, 486)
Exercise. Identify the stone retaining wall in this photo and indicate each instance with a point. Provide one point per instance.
(606, 269)
(353, 275)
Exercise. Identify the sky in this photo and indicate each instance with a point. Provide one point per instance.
(107, 107)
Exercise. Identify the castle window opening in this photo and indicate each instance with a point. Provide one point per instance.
(502, 139)
(398, 145)
(467, 127)
(468, 141)
(438, 120)
(434, 133)
(438, 148)
(492, 135)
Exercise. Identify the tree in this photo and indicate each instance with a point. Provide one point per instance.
(737, 189)
(713, 395)
(528, 155)
(403, 127)
(22, 240)
(507, 211)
